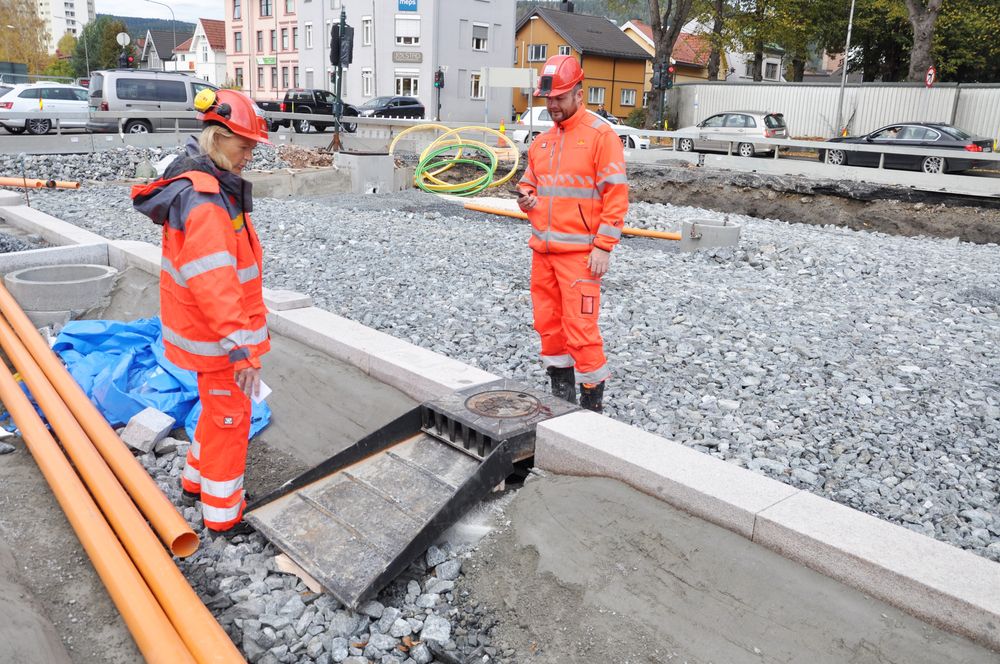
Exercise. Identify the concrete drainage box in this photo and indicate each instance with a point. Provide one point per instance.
(356, 521)
(707, 233)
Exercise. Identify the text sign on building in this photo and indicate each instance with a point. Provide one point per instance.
(267, 60)
(410, 57)
(407, 5)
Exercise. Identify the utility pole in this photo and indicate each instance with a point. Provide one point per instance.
(843, 73)
(340, 75)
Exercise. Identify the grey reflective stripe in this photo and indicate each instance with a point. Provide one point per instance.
(609, 231)
(568, 192)
(248, 273)
(216, 348)
(560, 361)
(221, 489)
(596, 376)
(220, 393)
(208, 263)
(168, 267)
(191, 474)
(565, 238)
(597, 123)
(614, 178)
(220, 514)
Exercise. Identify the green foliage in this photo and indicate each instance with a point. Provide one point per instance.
(60, 68)
(27, 42)
(637, 118)
(101, 48)
(967, 41)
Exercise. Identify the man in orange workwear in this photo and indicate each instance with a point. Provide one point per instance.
(575, 192)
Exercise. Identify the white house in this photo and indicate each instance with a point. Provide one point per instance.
(204, 54)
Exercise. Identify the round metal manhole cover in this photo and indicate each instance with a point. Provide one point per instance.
(503, 404)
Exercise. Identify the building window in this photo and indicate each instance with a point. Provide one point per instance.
(295, 39)
(274, 77)
(204, 53)
(295, 77)
(771, 71)
(260, 77)
(237, 9)
(309, 35)
(310, 77)
(366, 31)
(628, 97)
(538, 52)
(367, 83)
(476, 89)
(595, 96)
(407, 31)
(260, 41)
(564, 49)
(480, 35)
(289, 6)
(265, 8)
(274, 41)
(749, 72)
(239, 77)
(645, 99)
(238, 42)
(284, 77)
(407, 83)
(284, 39)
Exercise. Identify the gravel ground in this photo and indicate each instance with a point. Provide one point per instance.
(859, 366)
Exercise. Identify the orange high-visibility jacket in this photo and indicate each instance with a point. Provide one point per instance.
(577, 171)
(211, 291)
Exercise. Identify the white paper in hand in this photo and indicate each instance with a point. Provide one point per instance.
(262, 394)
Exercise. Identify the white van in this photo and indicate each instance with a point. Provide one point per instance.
(143, 90)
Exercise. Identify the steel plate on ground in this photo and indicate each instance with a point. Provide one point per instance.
(348, 527)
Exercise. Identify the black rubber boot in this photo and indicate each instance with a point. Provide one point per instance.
(592, 397)
(563, 382)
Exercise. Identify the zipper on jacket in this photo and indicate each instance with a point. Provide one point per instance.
(562, 139)
(583, 218)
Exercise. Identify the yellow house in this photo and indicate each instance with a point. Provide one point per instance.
(614, 66)
(690, 54)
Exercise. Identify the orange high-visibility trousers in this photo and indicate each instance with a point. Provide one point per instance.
(566, 299)
(217, 457)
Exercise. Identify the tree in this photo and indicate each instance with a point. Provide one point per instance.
(66, 45)
(923, 17)
(27, 42)
(959, 58)
(101, 48)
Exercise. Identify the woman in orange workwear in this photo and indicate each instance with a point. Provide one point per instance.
(211, 294)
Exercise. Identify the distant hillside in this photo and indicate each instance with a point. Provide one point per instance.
(137, 27)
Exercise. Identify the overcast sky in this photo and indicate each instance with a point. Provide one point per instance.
(184, 10)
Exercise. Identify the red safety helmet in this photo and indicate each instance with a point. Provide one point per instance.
(560, 74)
(234, 111)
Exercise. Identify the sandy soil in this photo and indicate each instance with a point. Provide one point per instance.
(590, 570)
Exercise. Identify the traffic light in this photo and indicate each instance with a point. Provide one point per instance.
(439, 79)
(341, 48)
(130, 60)
(669, 83)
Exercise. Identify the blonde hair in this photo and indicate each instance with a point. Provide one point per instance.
(209, 144)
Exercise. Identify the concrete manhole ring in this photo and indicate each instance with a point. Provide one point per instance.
(503, 404)
(74, 287)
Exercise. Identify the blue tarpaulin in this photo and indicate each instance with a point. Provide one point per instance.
(122, 366)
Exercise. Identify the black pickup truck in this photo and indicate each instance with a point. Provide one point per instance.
(314, 102)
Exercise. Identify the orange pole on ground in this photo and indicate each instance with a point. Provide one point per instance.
(156, 638)
(168, 523)
(640, 232)
(31, 183)
(206, 640)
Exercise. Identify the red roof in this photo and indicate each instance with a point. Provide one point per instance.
(184, 47)
(215, 31)
(690, 49)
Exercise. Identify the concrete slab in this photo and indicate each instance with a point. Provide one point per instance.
(584, 443)
(285, 300)
(313, 181)
(590, 570)
(52, 230)
(10, 198)
(95, 254)
(944, 585)
(131, 253)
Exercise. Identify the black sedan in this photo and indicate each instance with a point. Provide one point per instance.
(912, 135)
(392, 107)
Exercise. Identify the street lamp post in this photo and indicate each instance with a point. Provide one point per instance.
(173, 27)
(531, 92)
(843, 73)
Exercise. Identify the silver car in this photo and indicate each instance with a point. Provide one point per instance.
(144, 90)
(733, 131)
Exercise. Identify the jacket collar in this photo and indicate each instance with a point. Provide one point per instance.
(574, 120)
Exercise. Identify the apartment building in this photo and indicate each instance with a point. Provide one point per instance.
(399, 44)
(62, 16)
(262, 44)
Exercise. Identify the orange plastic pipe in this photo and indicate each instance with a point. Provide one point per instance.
(168, 523)
(641, 232)
(31, 183)
(156, 638)
(206, 640)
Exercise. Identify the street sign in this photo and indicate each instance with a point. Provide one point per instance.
(931, 76)
(407, 5)
(123, 39)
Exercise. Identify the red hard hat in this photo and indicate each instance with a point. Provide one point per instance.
(560, 74)
(233, 110)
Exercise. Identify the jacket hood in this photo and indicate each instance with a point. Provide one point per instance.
(156, 199)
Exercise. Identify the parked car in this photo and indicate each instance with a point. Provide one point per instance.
(392, 107)
(543, 121)
(912, 135)
(315, 102)
(143, 90)
(44, 98)
(733, 128)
